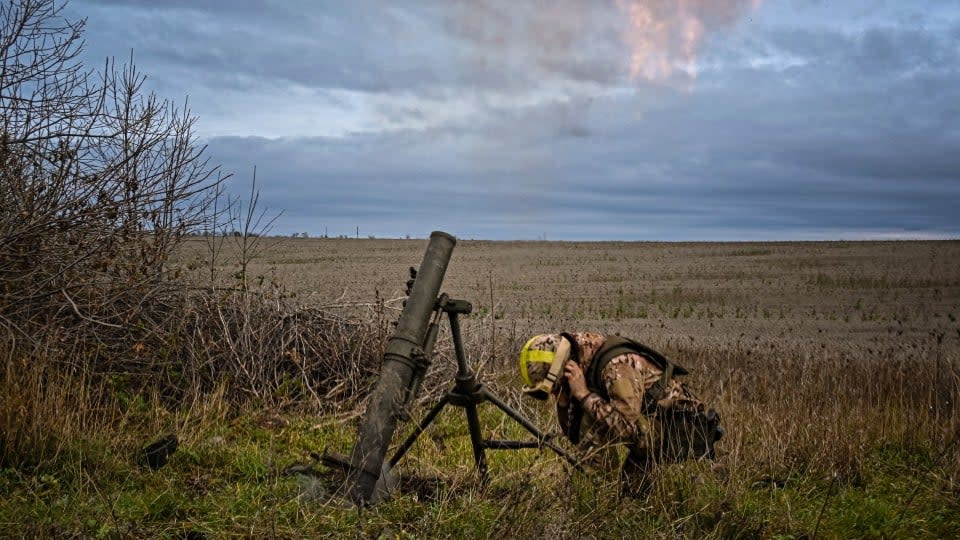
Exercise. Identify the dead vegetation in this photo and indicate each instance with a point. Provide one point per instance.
(812, 374)
(99, 184)
(835, 364)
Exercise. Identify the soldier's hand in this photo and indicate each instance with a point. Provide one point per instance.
(576, 380)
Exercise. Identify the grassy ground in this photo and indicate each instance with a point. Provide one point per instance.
(836, 368)
(228, 479)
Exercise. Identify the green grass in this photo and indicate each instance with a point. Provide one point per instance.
(226, 480)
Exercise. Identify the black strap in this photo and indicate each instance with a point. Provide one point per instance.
(575, 409)
(658, 390)
(612, 347)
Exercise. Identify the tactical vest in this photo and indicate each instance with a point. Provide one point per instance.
(612, 347)
(684, 434)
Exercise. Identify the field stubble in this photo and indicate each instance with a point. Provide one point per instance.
(820, 356)
(848, 297)
(834, 364)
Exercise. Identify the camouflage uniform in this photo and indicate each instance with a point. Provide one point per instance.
(619, 418)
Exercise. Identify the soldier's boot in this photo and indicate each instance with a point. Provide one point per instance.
(637, 474)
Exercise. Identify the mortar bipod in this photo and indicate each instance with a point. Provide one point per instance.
(467, 393)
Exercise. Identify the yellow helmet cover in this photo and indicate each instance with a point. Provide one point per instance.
(556, 356)
(529, 354)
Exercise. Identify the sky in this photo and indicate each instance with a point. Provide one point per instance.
(568, 119)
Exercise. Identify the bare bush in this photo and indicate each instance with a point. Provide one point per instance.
(273, 351)
(98, 182)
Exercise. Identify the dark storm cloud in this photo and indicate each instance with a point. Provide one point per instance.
(809, 120)
(349, 45)
(835, 155)
(382, 46)
(574, 39)
(364, 182)
(701, 162)
(880, 104)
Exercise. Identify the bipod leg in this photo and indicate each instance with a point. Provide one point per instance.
(421, 427)
(542, 438)
(468, 392)
(476, 438)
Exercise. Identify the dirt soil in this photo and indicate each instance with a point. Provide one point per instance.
(845, 297)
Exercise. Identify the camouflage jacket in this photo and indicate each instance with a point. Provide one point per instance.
(618, 417)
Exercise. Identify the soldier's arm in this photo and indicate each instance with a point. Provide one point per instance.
(619, 415)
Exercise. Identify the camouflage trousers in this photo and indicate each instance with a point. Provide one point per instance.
(637, 473)
(631, 465)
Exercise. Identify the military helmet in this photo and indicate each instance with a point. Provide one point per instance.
(542, 359)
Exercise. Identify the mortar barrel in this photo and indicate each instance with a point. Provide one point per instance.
(396, 375)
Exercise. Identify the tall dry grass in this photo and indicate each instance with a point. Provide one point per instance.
(252, 348)
(795, 412)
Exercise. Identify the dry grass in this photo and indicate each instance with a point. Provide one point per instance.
(835, 366)
(814, 352)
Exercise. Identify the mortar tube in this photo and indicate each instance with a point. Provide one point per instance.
(396, 375)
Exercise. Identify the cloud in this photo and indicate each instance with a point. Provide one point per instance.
(691, 167)
(498, 119)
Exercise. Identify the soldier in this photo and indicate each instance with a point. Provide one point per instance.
(618, 391)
